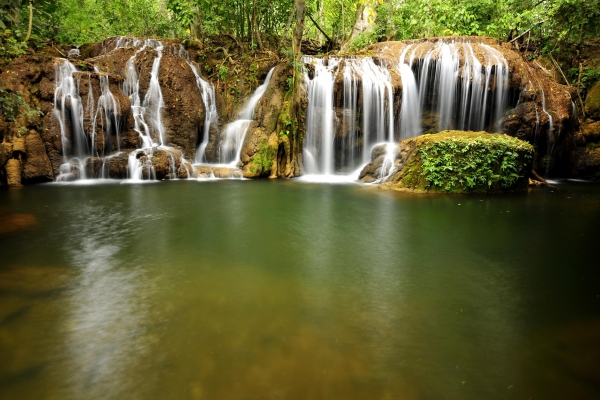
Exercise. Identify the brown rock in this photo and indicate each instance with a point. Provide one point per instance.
(592, 102)
(46, 89)
(51, 137)
(19, 146)
(13, 172)
(591, 131)
(183, 117)
(37, 166)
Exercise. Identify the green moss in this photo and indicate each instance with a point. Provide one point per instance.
(263, 159)
(456, 161)
(592, 145)
(592, 102)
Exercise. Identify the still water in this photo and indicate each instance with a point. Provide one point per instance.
(288, 290)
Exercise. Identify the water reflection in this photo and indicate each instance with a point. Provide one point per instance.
(286, 290)
(106, 321)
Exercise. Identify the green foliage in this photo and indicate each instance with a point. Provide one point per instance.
(467, 163)
(223, 71)
(589, 76)
(10, 47)
(10, 105)
(556, 25)
(287, 125)
(9, 13)
(363, 40)
(263, 159)
(184, 11)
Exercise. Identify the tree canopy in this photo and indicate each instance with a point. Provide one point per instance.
(555, 25)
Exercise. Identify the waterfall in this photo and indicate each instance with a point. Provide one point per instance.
(330, 147)
(349, 115)
(210, 109)
(248, 111)
(234, 133)
(106, 112)
(82, 146)
(78, 145)
(318, 142)
(410, 114)
(550, 136)
(67, 92)
(445, 85)
(446, 78)
(153, 101)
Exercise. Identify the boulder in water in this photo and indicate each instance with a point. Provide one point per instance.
(458, 162)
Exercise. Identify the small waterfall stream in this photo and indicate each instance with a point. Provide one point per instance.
(234, 133)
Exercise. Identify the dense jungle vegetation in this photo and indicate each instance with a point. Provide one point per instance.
(555, 28)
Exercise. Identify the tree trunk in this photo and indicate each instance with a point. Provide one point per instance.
(365, 19)
(300, 9)
(255, 26)
(30, 20)
(320, 16)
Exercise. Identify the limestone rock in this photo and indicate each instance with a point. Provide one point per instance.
(592, 102)
(13, 172)
(206, 172)
(269, 149)
(586, 163)
(184, 110)
(37, 166)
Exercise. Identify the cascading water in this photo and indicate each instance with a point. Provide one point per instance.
(445, 85)
(318, 143)
(80, 147)
(364, 124)
(210, 108)
(234, 133)
(446, 79)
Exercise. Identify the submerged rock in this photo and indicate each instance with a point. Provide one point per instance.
(455, 161)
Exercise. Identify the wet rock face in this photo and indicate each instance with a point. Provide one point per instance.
(269, 148)
(169, 165)
(13, 172)
(586, 156)
(207, 172)
(183, 110)
(106, 109)
(183, 115)
(37, 166)
(592, 103)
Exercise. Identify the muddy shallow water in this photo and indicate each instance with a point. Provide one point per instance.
(289, 290)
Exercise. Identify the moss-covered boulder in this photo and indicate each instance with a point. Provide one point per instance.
(455, 161)
(592, 102)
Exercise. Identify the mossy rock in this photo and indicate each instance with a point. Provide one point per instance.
(592, 102)
(461, 162)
